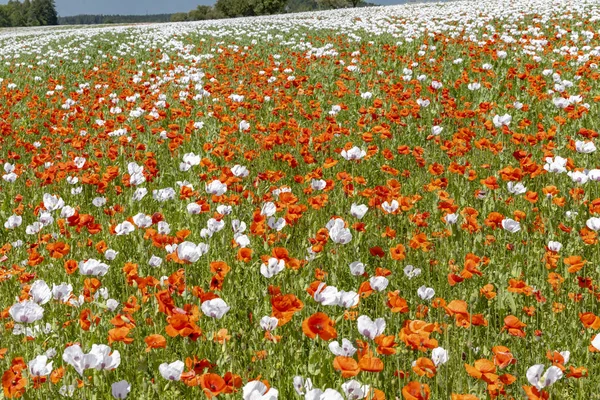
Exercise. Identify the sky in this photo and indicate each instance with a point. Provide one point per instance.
(66, 8)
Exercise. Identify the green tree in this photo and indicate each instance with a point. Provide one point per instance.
(48, 12)
(202, 12)
(331, 4)
(235, 8)
(301, 5)
(4, 16)
(34, 14)
(262, 7)
(179, 17)
(16, 13)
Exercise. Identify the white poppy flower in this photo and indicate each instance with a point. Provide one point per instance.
(272, 268)
(511, 225)
(121, 389)
(26, 312)
(358, 211)
(439, 356)
(93, 267)
(354, 153)
(40, 292)
(268, 323)
(345, 350)
(369, 328)
(40, 366)
(172, 371)
(256, 390)
(215, 308)
(426, 293)
(540, 379)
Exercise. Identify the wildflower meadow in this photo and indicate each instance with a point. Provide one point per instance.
(376, 203)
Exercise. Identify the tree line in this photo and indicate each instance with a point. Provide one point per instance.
(248, 8)
(28, 13)
(43, 12)
(92, 19)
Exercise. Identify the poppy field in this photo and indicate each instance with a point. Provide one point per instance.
(377, 203)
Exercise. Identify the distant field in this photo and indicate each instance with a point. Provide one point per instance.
(378, 203)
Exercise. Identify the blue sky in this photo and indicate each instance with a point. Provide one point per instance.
(74, 7)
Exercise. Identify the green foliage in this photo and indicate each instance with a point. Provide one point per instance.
(262, 7)
(301, 5)
(235, 8)
(93, 19)
(247, 8)
(179, 17)
(4, 17)
(28, 13)
(203, 12)
(43, 12)
(48, 12)
(333, 4)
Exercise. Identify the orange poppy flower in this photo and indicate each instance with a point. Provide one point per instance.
(463, 397)
(244, 255)
(514, 326)
(483, 369)
(385, 345)
(517, 286)
(86, 319)
(494, 220)
(212, 384)
(219, 268)
(155, 341)
(14, 384)
(284, 307)
(502, 356)
(454, 279)
(424, 367)
(346, 365)
(120, 334)
(398, 252)
(575, 263)
(534, 394)
(416, 335)
(232, 382)
(458, 309)
(577, 372)
(555, 280)
(419, 241)
(366, 361)
(71, 266)
(58, 249)
(396, 303)
(319, 324)
(221, 336)
(488, 291)
(416, 391)
(590, 320)
(57, 374)
(183, 325)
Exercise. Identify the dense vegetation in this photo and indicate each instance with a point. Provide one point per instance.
(92, 19)
(28, 13)
(43, 12)
(247, 8)
(221, 9)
